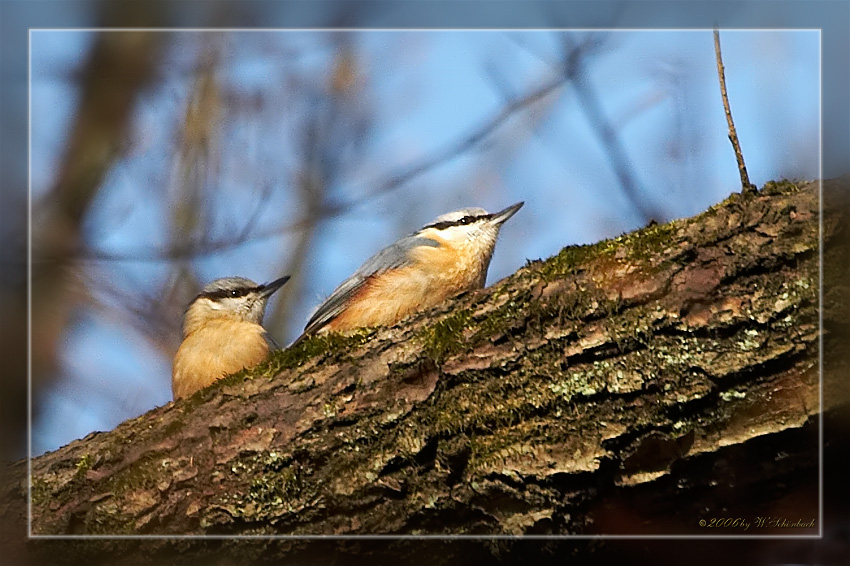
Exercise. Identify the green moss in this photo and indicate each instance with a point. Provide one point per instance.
(500, 320)
(571, 257)
(83, 465)
(445, 337)
(40, 491)
(277, 486)
(640, 245)
(484, 450)
(146, 473)
(273, 492)
(630, 326)
(782, 187)
(312, 347)
(109, 516)
(199, 397)
(289, 358)
(570, 306)
(478, 407)
(647, 241)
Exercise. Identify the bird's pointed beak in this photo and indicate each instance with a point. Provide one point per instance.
(500, 217)
(270, 288)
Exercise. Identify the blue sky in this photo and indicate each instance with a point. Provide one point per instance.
(426, 90)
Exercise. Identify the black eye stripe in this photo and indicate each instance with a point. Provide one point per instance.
(459, 222)
(224, 293)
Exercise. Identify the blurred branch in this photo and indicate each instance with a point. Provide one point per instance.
(189, 214)
(746, 186)
(312, 186)
(465, 143)
(573, 65)
(198, 137)
(333, 133)
(119, 66)
(574, 68)
(151, 312)
(332, 209)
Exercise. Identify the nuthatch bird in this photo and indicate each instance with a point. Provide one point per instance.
(222, 333)
(445, 258)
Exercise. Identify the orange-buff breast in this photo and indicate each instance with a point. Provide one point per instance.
(217, 349)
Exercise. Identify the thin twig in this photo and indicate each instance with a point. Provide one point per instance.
(746, 186)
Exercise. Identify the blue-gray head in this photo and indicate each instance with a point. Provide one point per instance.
(231, 297)
(470, 224)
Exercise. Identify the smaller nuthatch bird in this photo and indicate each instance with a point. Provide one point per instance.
(447, 257)
(222, 333)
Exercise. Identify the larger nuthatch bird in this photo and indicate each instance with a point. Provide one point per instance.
(222, 333)
(445, 258)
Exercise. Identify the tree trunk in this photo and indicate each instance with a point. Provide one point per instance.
(649, 384)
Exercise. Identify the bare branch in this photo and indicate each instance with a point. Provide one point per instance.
(746, 186)
(469, 406)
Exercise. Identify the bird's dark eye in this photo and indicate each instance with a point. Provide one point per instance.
(465, 220)
(234, 292)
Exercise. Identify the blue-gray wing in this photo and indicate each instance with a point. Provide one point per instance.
(391, 257)
(273, 345)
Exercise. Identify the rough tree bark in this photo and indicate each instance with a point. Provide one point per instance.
(638, 385)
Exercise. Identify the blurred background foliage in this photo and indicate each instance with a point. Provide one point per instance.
(162, 160)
